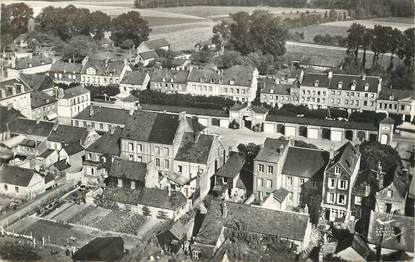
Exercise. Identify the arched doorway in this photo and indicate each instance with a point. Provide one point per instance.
(325, 133)
(281, 129)
(302, 131)
(361, 136)
(349, 135)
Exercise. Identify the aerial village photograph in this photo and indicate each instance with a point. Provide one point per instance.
(207, 130)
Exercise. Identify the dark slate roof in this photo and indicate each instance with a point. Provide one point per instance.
(156, 43)
(400, 224)
(37, 82)
(104, 66)
(271, 151)
(68, 134)
(321, 122)
(101, 249)
(34, 61)
(242, 75)
(109, 143)
(75, 91)
(128, 169)
(396, 94)
(233, 166)
(169, 76)
(388, 120)
(280, 194)
(148, 55)
(65, 67)
(195, 151)
(62, 165)
(40, 98)
(7, 115)
(347, 155)
(134, 78)
(304, 162)
(25, 126)
(256, 109)
(178, 230)
(152, 127)
(104, 114)
(15, 175)
(159, 198)
(347, 80)
(46, 153)
(189, 110)
(73, 148)
(8, 85)
(270, 86)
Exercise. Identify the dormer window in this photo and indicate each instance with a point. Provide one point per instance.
(271, 91)
(220, 81)
(171, 80)
(353, 86)
(366, 86)
(391, 97)
(337, 170)
(232, 82)
(340, 84)
(201, 79)
(164, 79)
(316, 83)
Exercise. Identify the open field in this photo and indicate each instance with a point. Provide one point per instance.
(312, 30)
(185, 39)
(401, 24)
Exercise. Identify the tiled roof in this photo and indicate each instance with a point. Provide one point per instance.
(109, 143)
(128, 169)
(104, 114)
(40, 99)
(272, 150)
(159, 198)
(152, 127)
(304, 162)
(75, 91)
(269, 86)
(101, 249)
(73, 148)
(62, 165)
(46, 153)
(321, 122)
(34, 61)
(388, 120)
(68, 134)
(195, 152)
(396, 94)
(104, 66)
(241, 75)
(403, 225)
(256, 109)
(347, 80)
(156, 43)
(65, 67)
(25, 126)
(233, 166)
(169, 76)
(134, 78)
(148, 55)
(347, 155)
(37, 82)
(6, 88)
(7, 115)
(15, 175)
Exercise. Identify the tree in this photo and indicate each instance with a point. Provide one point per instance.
(221, 35)
(78, 47)
(407, 48)
(367, 41)
(395, 40)
(380, 43)
(374, 152)
(99, 23)
(129, 26)
(15, 19)
(354, 38)
(228, 59)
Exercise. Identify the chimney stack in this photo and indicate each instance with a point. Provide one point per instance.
(169, 191)
(330, 75)
(379, 175)
(331, 152)
(224, 210)
(91, 110)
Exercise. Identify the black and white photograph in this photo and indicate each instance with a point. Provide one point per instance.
(207, 130)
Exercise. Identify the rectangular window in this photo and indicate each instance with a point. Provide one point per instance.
(131, 157)
(157, 162)
(166, 163)
(139, 148)
(261, 168)
(343, 184)
(332, 183)
(5, 187)
(337, 170)
(390, 193)
(157, 149)
(180, 168)
(269, 183)
(259, 182)
(330, 198)
(270, 169)
(101, 126)
(357, 200)
(166, 151)
(341, 199)
(301, 181)
(289, 181)
(130, 147)
(139, 159)
(119, 182)
(132, 184)
(17, 189)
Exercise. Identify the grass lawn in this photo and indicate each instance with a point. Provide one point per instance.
(312, 30)
(185, 39)
(401, 24)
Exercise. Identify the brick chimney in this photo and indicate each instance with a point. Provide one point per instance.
(224, 210)
(380, 175)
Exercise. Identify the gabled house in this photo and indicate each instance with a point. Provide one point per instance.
(63, 135)
(133, 80)
(339, 178)
(146, 57)
(101, 249)
(16, 93)
(391, 195)
(199, 156)
(169, 81)
(71, 102)
(152, 45)
(20, 182)
(131, 174)
(277, 200)
(103, 72)
(32, 64)
(65, 72)
(7, 115)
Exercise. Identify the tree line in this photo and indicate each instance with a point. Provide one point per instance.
(174, 3)
(72, 26)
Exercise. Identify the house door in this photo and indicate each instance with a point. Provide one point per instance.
(388, 208)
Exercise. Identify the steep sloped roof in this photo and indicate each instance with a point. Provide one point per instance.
(14, 175)
(109, 143)
(304, 162)
(24, 126)
(195, 151)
